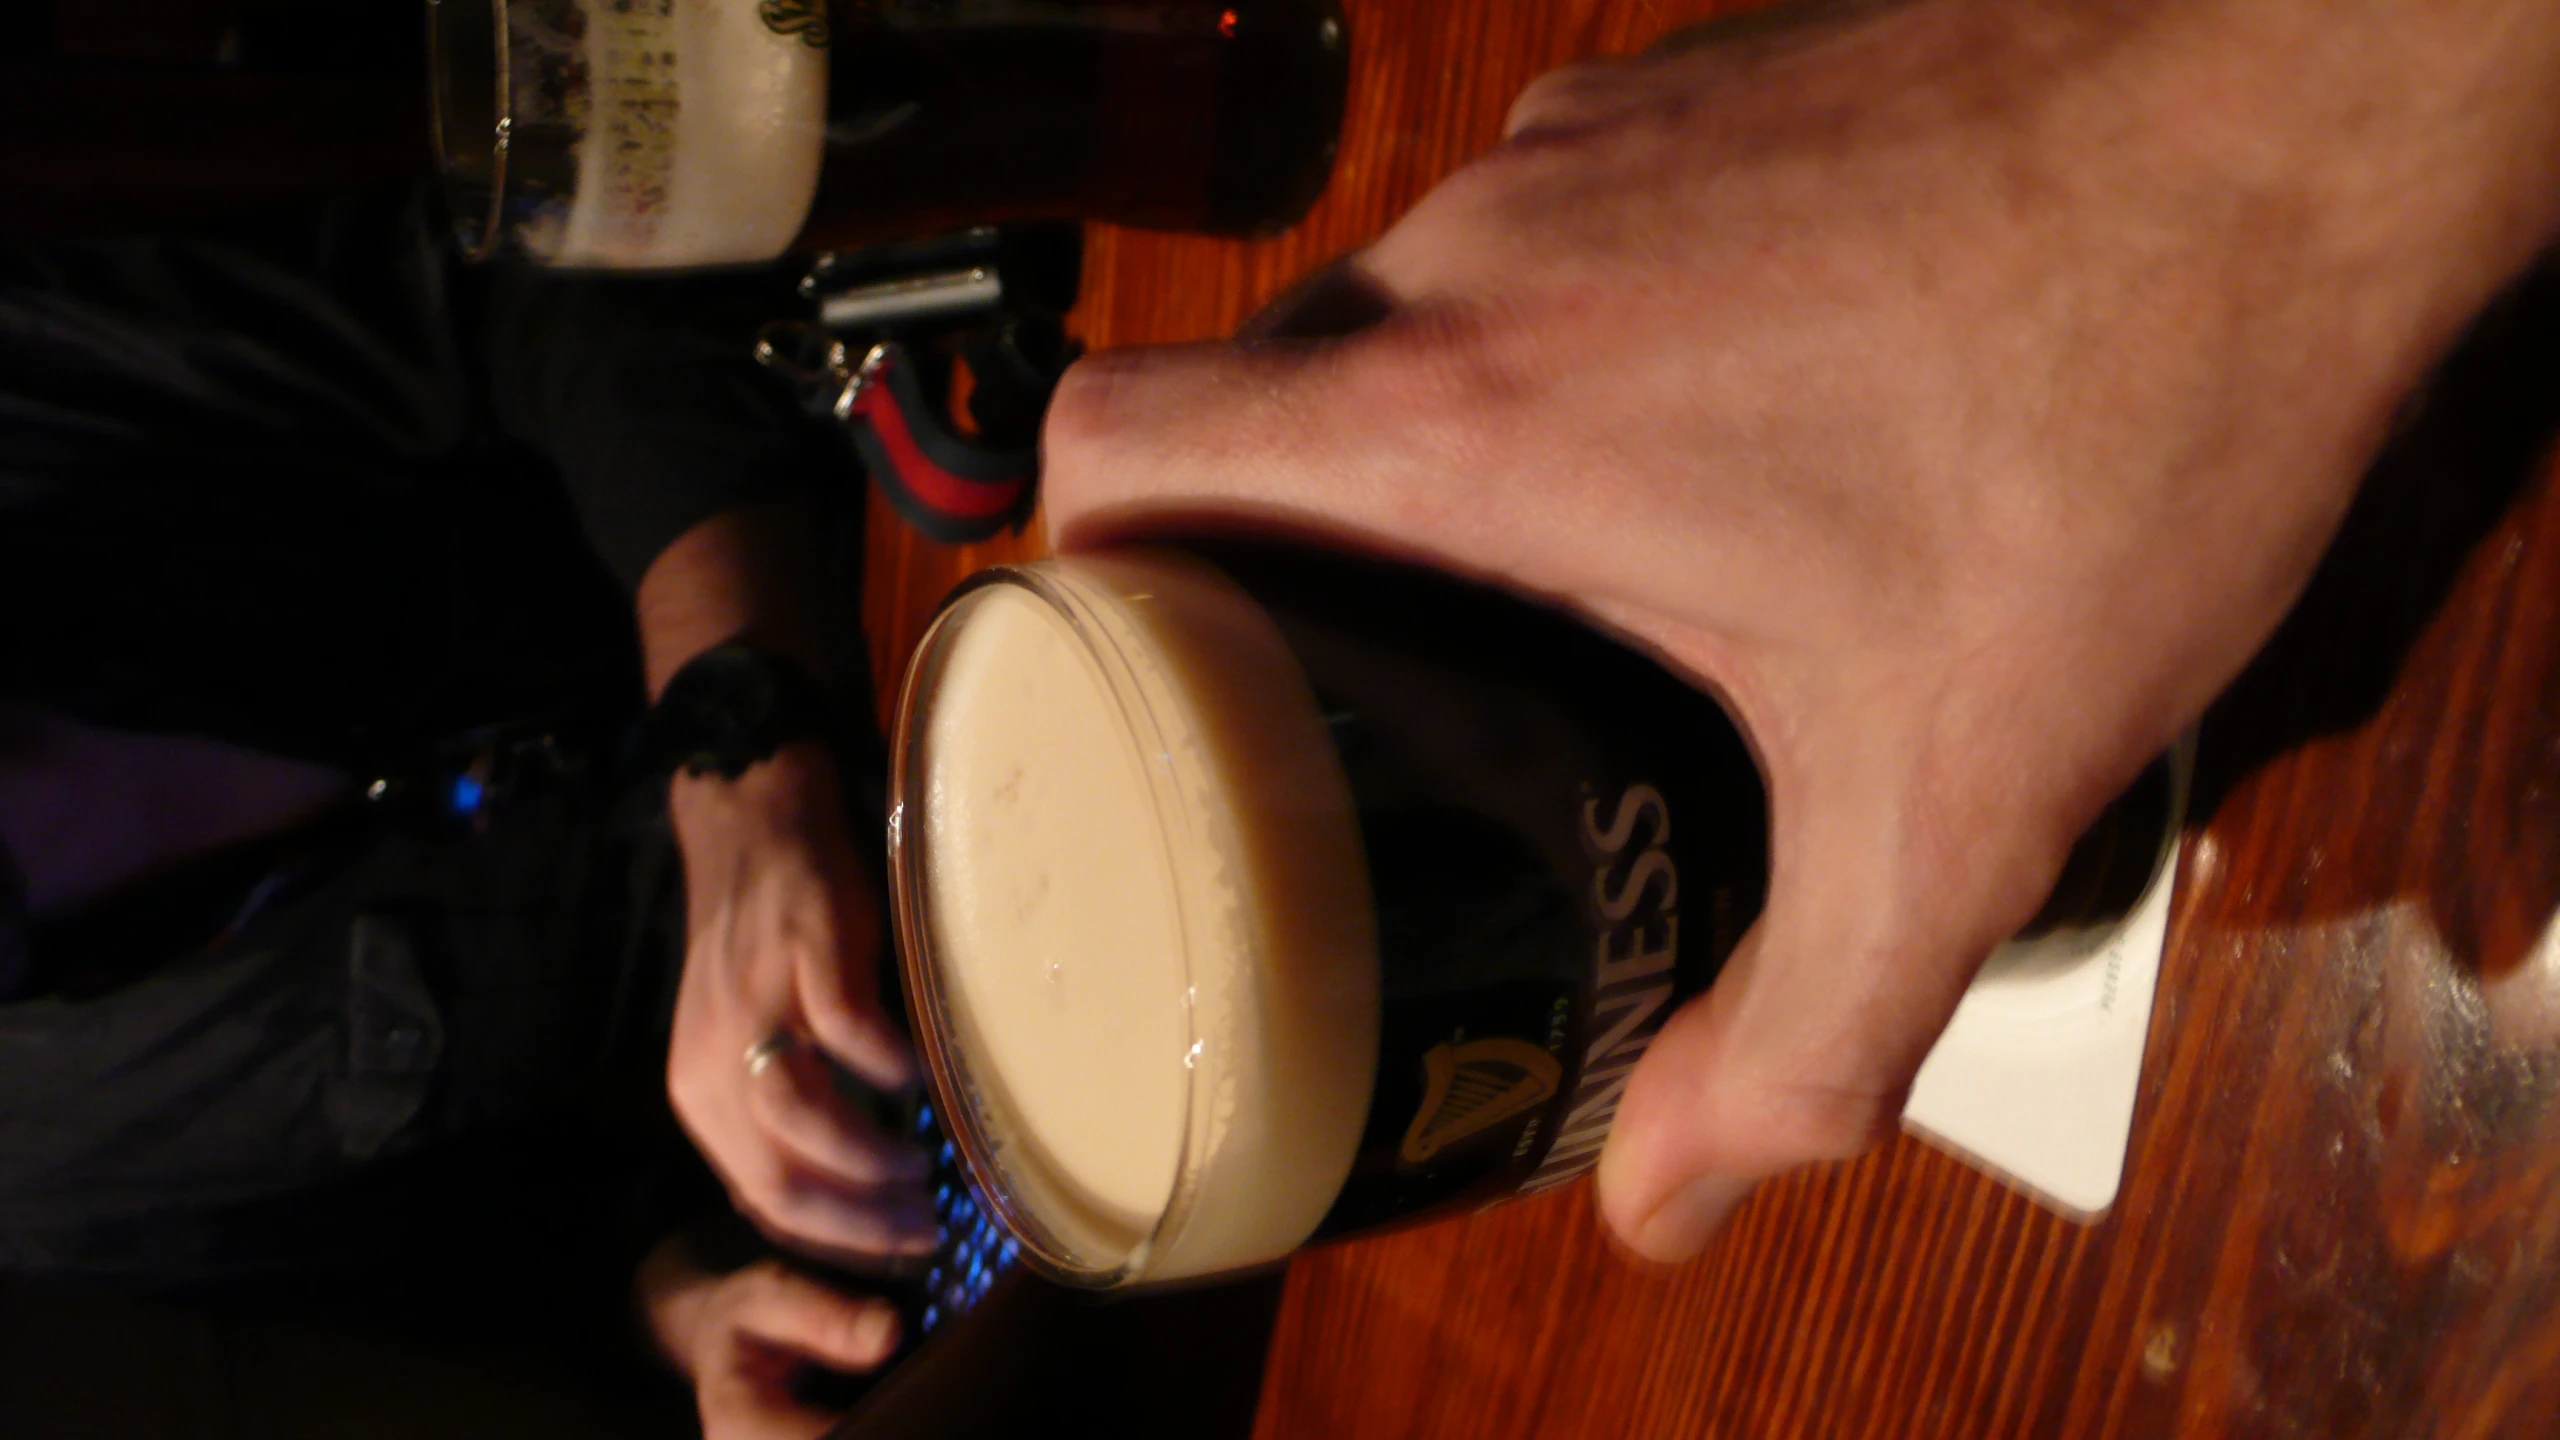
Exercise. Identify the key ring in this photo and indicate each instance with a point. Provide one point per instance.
(953, 489)
(813, 361)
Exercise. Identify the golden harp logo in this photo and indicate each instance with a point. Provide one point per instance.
(1470, 1087)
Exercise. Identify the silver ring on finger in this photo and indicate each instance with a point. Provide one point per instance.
(776, 1046)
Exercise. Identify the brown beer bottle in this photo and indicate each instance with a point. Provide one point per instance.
(1190, 115)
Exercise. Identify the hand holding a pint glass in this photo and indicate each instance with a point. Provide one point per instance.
(1961, 393)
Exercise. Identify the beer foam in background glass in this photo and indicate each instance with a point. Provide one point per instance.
(629, 134)
(676, 134)
(704, 128)
(1146, 958)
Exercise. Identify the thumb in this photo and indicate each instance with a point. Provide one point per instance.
(836, 976)
(1886, 892)
(775, 1319)
(784, 1309)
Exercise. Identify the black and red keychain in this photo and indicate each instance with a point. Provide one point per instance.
(898, 325)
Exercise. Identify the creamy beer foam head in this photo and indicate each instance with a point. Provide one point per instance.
(703, 143)
(1136, 919)
(694, 128)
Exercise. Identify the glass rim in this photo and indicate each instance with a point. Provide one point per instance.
(484, 243)
(1054, 584)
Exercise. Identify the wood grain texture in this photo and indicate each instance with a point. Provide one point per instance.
(2341, 1214)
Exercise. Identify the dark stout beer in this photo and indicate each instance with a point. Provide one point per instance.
(1199, 115)
(671, 133)
(1372, 886)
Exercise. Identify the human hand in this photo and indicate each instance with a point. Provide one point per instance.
(779, 982)
(1963, 392)
(744, 1338)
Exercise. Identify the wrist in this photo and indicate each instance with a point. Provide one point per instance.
(2403, 155)
(783, 792)
(733, 706)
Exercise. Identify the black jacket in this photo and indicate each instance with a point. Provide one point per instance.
(305, 483)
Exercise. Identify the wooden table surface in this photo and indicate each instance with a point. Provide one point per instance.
(2341, 1213)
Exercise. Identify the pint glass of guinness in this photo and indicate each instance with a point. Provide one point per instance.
(1248, 896)
(662, 134)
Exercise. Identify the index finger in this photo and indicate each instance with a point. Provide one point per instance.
(1885, 896)
(782, 1307)
(836, 984)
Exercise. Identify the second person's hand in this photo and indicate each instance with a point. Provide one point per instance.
(780, 990)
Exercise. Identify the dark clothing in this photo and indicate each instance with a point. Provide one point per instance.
(329, 1087)
(307, 485)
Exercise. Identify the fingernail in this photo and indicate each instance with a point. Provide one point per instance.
(882, 1325)
(1682, 1225)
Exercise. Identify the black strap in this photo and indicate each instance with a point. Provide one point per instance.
(882, 362)
(731, 707)
(952, 488)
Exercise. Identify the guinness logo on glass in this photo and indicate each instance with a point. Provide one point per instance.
(1471, 1087)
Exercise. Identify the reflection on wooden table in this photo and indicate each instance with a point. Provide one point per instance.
(2341, 1214)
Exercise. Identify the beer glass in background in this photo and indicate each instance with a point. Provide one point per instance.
(663, 134)
(1248, 896)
